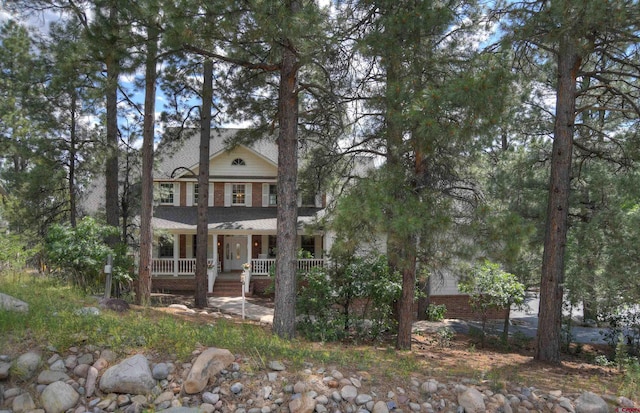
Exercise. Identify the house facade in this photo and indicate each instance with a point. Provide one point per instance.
(242, 207)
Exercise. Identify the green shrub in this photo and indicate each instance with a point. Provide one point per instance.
(79, 254)
(436, 312)
(351, 297)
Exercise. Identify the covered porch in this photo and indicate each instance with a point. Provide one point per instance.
(237, 236)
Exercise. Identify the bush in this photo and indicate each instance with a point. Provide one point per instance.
(350, 298)
(623, 322)
(79, 254)
(436, 312)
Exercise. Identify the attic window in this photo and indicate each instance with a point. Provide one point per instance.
(238, 162)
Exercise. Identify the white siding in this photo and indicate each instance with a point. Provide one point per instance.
(210, 202)
(265, 195)
(446, 284)
(189, 193)
(255, 165)
(176, 194)
(247, 195)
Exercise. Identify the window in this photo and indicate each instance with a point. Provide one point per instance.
(195, 194)
(238, 194)
(308, 244)
(166, 193)
(165, 248)
(273, 195)
(308, 199)
(238, 162)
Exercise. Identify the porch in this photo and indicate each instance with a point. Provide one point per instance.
(178, 275)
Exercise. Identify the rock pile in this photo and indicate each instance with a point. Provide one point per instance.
(90, 379)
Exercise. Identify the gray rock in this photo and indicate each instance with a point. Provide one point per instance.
(182, 410)
(209, 363)
(164, 397)
(236, 388)
(9, 303)
(211, 398)
(363, 399)
(349, 392)
(160, 371)
(90, 384)
(85, 359)
(58, 365)
(471, 400)
(26, 365)
(276, 366)
(304, 404)
(87, 311)
(22, 403)
(59, 397)
(131, 376)
(429, 387)
(591, 403)
(49, 376)
(4, 370)
(380, 407)
(566, 404)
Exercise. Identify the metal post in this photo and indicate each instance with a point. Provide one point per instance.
(242, 281)
(107, 271)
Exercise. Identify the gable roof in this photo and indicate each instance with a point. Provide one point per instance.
(175, 157)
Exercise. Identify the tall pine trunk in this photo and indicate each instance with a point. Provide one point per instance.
(73, 150)
(146, 213)
(202, 236)
(284, 316)
(111, 169)
(551, 284)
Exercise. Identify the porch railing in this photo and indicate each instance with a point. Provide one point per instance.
(187, 266)
(265, 266)
(175, 267)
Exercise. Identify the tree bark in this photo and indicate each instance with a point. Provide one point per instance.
(202, 236)
(73, 150)
(111, 169)
(146, 213)
(284, 316)
(548, 339)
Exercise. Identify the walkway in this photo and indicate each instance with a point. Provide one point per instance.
(524, 321)
(234, 305)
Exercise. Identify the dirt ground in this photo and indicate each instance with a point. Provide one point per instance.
(493, 363)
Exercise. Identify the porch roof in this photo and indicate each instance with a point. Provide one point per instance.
(225, 218)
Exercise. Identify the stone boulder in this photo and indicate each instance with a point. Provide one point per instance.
(10, 303)
(26, 366)
(209, 363)
(591, 403)
(59, 397)
(131, 376)
(471, 400)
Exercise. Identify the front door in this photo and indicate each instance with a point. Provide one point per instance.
(235, 253)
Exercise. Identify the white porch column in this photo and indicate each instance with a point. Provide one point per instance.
(249, 248)
(215, 253)
(249, 256)
(176, 253)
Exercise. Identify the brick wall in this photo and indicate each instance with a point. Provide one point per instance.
(458, 307)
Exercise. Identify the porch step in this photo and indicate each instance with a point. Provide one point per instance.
(227, 288)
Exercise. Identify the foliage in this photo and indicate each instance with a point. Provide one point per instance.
(489, 287)
(623, 327)
(444, 336)
(436, 312)
(351, 298)
(14, 251)
(54, 320)
(79, 254)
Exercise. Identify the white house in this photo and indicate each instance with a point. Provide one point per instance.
(241, 214)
